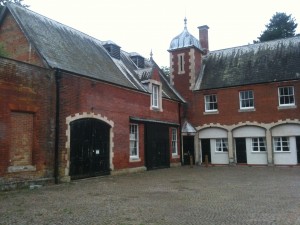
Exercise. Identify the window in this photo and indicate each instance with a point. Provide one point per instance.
(174, 141)
(221, 145)
(281, 144)
(286, 96)
(134, 141)
(211, 104)
(155, 96)
(246, 100)
(181, 63)
(258, 144)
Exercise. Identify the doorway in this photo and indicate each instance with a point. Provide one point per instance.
(89, 148)
(157, 146)
(188, 149)
(240, 148)
(205, 148)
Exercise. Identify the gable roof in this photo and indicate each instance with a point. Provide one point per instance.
(277, 60)
(68, 49)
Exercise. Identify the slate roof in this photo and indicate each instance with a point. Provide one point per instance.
(277, 60)
(68, 49)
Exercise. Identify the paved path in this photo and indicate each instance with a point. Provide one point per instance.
(199, 195)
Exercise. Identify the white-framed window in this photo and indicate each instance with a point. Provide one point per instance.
(221, 145)
(211, 104)
(286, 96)
(246, 99)
(174, 142)
(134, 140)
(155, 96)
(281, 144)
(258, 144)
(181, 63)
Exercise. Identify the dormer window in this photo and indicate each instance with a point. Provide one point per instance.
(113, 49)
(138, 60)
(156, 95)
(181, 63)
(155, 89)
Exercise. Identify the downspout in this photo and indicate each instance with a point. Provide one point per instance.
(180, 133)
(57, 92)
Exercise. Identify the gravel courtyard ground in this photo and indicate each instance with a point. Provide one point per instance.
(183, 195)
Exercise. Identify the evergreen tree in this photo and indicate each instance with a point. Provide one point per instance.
(280, 26)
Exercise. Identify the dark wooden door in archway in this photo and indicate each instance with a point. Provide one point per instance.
(89, 148)
(240, 148)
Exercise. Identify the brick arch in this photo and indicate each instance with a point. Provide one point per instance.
(257, 125)
(284, 122)
(86, 115)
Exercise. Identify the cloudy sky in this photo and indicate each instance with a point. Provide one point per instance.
(145, 25)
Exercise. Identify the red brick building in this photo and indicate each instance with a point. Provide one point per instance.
(75, 107)
(242, 102)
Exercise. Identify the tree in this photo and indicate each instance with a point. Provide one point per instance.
(281, 25)
(166, 70)
(18, 2)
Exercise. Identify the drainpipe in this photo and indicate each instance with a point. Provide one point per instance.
(180, 134)
(57, 92)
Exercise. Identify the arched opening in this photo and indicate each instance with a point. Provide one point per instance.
(89, 148)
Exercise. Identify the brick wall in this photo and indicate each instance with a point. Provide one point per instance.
(27, 120)
(21, 137)
(16, 44)
(79, 95)
(265, 103)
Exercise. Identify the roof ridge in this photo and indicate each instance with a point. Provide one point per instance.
(256, 44)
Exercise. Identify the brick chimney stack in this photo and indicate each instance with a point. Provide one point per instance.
(203, 37)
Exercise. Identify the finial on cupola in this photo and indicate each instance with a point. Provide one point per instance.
(185, 22)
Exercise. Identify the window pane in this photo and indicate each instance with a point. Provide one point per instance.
(211, 102)
(286, 96)
(133, 137)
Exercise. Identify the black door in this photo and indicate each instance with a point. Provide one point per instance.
(89, 153)
(205, 149)
(298, 148)
(240, 148)
(188, 149)
(157, 146)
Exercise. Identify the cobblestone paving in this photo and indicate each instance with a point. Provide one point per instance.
(184, 195)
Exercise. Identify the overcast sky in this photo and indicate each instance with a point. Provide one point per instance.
(142, 25)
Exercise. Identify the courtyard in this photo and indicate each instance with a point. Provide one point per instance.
(182, 195)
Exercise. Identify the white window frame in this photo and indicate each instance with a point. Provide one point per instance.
(258, 143)
(155, 96)
(174, 142)
(181, 63)
(245, 98)
(134, 140)
(222, 144)
(208, 102)
(281, 144)
(290, 96)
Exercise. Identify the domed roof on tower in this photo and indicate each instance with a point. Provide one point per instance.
(184, 40)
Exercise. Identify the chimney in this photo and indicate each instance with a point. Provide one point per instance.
(203, 36)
